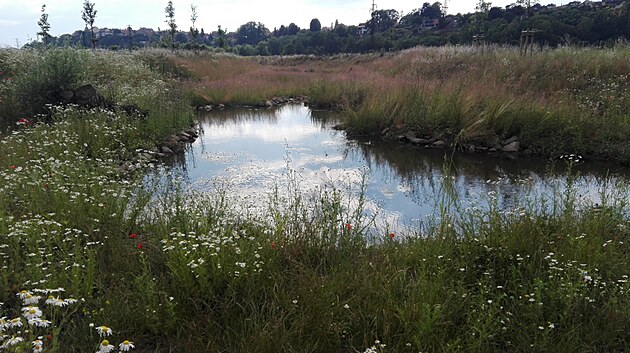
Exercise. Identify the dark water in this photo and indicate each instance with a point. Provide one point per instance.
(251, 152)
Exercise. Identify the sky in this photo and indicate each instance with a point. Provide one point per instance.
(18, 19)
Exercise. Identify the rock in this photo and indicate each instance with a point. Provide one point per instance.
(512, 147)
(67, 95)
(268, 104)
(439, 144)
(510, 140)
(410, 136)
(221, 106)
(86, 95)
(207, 107)
(166, 150)
(385, 131)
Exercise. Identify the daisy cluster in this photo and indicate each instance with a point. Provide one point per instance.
(225, 250)
(31, 324)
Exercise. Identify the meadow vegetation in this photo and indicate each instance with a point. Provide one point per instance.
(569, 100)
(104, 256)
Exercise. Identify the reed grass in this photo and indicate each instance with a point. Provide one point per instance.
(179, 270)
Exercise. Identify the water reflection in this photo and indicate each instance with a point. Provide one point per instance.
(252, 152)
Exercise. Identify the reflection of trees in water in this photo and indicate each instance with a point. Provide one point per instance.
(422, 171)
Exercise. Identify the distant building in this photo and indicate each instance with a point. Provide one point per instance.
(362, 29)
(430, 24)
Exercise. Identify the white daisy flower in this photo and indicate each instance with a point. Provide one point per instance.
(60, 302)
(105, 347)
(17, 322)
(125, 346)
(104, 331)
(37, 342)
(38, 348)
(71, 300)
(31, 312)
(23, 293)
(39, 322)
(50, 300)
(12, 341)
(31, 299)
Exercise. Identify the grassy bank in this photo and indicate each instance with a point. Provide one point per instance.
(570, 100)
(183, 271)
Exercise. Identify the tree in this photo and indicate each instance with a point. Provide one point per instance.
(251, 33)
(170, 21)
(293, 29)
(431, 11)
(383, 20)
(527, 4)
(44, 26)
(129, 35)
(315, 25)
(89, 15)
(194, 32)
(220, 41)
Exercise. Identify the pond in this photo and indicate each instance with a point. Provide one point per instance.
(251, 153)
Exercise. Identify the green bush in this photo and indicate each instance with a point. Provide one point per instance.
(42, 77)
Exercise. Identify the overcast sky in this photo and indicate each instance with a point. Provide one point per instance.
(18, 18)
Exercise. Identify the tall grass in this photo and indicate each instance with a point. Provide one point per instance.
(185, 271)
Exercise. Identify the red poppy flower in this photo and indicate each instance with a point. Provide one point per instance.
(22, 121)
(348, 226)
(133, 236)
(139, 246)
(391, 235)
(273, 245)
(12, 167)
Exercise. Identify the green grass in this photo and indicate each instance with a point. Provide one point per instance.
(177, 270)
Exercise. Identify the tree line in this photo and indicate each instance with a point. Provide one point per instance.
(587, 23)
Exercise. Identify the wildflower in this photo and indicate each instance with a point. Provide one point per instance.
(105, 347)
(273, 245)
(31, 312)
(391, 235)
(133, 236)
(23, 121)
(12, 341)
(51, 300)
(60, 302)
(37, 342)
(125, 346)
(17, 322)
(348, 226)
(71, 301)
(139, 246)
(37, 348)
(39, 322)
(104, 331)
(31, 299)
(23, 293)
(346, 306)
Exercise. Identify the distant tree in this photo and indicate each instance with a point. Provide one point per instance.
(293, 29)
(89, 15)
(432, 11)
(527, 4)
(130, 37)
(383, 20)
(315, 25)
(251, 33)
(220, 40)
(44, 26)
(194, 32)
(170, 21)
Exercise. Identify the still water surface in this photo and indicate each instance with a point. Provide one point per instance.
(251, 152)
